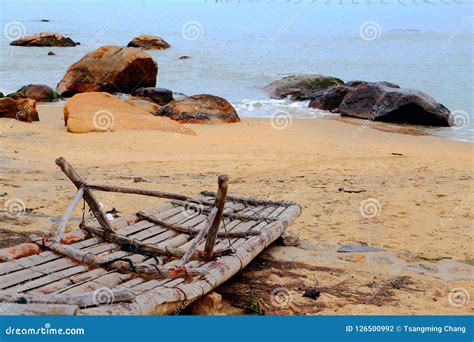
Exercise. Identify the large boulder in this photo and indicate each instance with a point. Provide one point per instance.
(20, 109)
(160, 96)
(149, 42)
(102, 112)
(45, 39)
(199, 109)
(110, 69)
(383, 101)
(38, 92)
(300, 87)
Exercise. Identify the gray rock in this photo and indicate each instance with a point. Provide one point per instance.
(300, 87)
(383, 101)
(160, 96)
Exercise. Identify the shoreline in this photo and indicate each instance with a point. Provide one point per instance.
(382, 126)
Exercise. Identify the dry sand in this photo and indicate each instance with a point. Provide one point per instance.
(422, 198)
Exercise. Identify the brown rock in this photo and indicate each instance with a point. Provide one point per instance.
(38, 92)
(184, 57)
(200, 109)
(210, 304)
(111, 69)
(102, 112)
(149, 42)
(291, 237)
(144, 104)
(20, 109)
(45, 39)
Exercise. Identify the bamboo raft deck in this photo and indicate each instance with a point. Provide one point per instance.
(153, 262)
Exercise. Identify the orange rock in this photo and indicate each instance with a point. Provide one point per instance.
(45, 39)
(102, 112)
(149, 42)
(210, 304)
(111, 69)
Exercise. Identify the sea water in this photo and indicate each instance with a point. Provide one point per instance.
(237, 47)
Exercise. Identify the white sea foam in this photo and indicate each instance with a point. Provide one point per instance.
(265, 108)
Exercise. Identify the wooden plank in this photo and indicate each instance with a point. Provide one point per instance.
(132, 282)
(186, 229)
(148, 285)
(108, 281)
(83, 299)
(35, 272)
(9, 309)
(15, 265)
(233, 226)
(50, 278)
(64, 284)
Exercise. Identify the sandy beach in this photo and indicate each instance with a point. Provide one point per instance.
(409, 195)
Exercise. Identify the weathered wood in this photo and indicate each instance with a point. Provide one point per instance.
(136, 244)
(68, 213)
(83, 300)
(51, 278)
(230, 215)
(19, 251)
(27, 274)
(9, 309)
(219, 203)
(77, 180)
(141, 247)
(99, 261)
(145, 192)
(192, 230)
(198, 239)
(74, 281)
(250, 201)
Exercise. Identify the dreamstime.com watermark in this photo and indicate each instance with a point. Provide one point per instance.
(46, 330)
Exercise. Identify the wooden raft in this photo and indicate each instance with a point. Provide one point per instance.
(153, 262)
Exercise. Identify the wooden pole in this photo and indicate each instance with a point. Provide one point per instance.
(142, 247)
(85, 299)
(79, 182)
(222, 182)
(153, 193)
(251, 201)
(213, 220)
(68, 213)
(155, 271)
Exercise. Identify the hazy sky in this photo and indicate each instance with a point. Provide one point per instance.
(314, 16)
